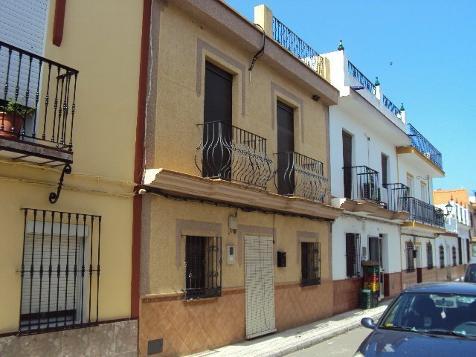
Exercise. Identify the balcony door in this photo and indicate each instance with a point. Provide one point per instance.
(285, 119)
(347, 156)
(217, 129)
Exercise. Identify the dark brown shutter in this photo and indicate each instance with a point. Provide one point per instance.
(285, 118)
(384, 170)
(347, 155)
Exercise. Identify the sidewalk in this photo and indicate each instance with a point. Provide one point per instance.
(282, 343)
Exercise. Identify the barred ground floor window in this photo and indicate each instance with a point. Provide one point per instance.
(60, 270)
(429, 255)
(442, 256)
(453, 255)
(202, 267)
(409, 249)
(310, 263)
(352, 254)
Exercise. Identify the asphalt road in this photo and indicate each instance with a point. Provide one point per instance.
(343, 345)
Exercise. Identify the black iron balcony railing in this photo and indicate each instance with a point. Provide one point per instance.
(37, 99)
(299, 175)
(298, 47)
(231, 153)
(361, 183)
(423, 212)
(390, 106)
(363, 80)
(394, 195)
(420, 143)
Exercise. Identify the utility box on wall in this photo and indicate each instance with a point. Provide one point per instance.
(281, 259)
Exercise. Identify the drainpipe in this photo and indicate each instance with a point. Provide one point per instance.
(139, 158)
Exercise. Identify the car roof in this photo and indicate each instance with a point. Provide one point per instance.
(443, 288)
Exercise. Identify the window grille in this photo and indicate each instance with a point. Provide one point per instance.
(429, 255)
(202, 267)
(60, 270)
(410, 258)
(453, 254)
(460, 250)
(442, 256)
(352, 251)
(310, 263)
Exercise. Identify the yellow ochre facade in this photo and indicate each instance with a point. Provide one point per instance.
(102, 41)
(180, 203)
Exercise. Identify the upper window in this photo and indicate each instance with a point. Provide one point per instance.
(352, 250)
(203, 267)
(60, 270)
(310, 263)
(384, 170)
(410, 185)
(424, 191)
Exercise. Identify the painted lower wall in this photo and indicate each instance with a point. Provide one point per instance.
(191, 326)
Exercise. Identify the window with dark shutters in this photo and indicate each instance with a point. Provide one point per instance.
(310, 263)
(442, 256)
(409, 248)
(429, 255)
(202, 267)
(352, 249)
(460, 251)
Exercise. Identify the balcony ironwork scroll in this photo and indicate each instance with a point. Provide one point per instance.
(298, 47)
(299, 175)
(38, 98)
(420, 143)
(230, 153)
(390, 106)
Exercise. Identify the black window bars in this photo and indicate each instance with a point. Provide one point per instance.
(202, 267)
(352, 252)
(410, 255)
(429, 255)
(310, 263)
(60, 270)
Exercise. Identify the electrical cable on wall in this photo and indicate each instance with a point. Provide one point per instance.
(257, 54)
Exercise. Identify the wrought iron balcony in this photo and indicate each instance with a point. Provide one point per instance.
(299, 175)
(230, 153)
(361, 183)
(361, 78)
(37, 107)
(423, 212)
(299, 48)
(420, 143)
(394, 195)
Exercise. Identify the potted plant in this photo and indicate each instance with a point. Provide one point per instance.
(12, 117)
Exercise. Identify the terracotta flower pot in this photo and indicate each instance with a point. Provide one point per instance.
(10, 124)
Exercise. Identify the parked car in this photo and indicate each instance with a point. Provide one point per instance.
(470, 274)
(434, 319)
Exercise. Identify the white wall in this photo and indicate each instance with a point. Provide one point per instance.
(420, 174)
(366, 228)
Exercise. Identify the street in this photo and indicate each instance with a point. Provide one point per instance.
(343, 345)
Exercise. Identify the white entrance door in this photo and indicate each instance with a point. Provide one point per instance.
(259, 286)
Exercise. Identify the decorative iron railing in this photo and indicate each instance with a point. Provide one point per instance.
(60, 270)
(393, 196)
(390, 106)
(231, 153)
(363, 80)
(37, 102)
(361, 183)
(420, 143)
(299, 175)
(423, 212)
(298, 47)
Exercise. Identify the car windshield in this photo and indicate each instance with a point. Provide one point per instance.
(439, 314)
(470, 275)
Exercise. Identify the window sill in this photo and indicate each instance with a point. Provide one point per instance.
(314, 282)
(203, 300)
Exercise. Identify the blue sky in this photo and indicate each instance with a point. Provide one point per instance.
(432, 47)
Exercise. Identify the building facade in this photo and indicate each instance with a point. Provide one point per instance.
(66, 177)
(236, 223)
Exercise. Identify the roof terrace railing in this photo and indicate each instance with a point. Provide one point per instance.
(299, 48)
